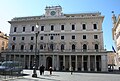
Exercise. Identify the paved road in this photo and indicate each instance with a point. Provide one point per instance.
(66, 76)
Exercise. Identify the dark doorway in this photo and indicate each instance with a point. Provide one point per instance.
(48, 62)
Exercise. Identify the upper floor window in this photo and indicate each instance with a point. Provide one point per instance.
(73, 47)
(13, 47)
(62, 37)
(62, 47)
(22, 47)
(32, 38)
(42, 28)
(96, 46)
(41, 38)
(31, 47)
(95, 26)
(41, 46)
(15, 29)
(52, 27)
(73, 37)
(84, 47)
(33, 28)
(23, 29)
(62, 27)
(84, 36)
(73, 27)
(51, 37)
(83, 26)
(14, 38)
(95, 36)
(23, 38)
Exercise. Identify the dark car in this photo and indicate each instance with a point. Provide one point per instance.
(11, 66)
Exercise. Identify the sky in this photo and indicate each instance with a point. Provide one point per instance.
(22, 8)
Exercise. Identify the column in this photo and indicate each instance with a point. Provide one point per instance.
(88, 66)
(53, 62)
(82, 63)
(24, 60)
(64, 61)
(29, 61)
(95, 64)
(57, 62)
(104, 63)
(70, 61)
(39, 60)
(76, 66)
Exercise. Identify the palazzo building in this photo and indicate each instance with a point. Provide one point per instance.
(63, 40)
(116, 36)
(3, 44)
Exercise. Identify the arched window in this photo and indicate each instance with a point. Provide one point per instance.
(84, 47)
(51, 46)
(62, 47)
(96, 46)
(13, 47)
(31, 47)
(22, 47)
(41, 46)
(73, 47)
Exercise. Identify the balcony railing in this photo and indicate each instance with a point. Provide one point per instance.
(66, 50)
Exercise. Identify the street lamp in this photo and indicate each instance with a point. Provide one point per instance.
(34, 67)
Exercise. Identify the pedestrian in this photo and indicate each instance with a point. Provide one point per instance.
(42, 69)
(71, 70)
(50, 69)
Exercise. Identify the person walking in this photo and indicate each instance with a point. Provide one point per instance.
(41, 69)
(50, 69)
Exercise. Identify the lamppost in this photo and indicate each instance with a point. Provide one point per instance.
(34, 68)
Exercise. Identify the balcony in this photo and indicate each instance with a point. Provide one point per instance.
(57, 51)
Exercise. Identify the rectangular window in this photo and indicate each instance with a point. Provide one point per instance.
(73, 37)
(32, 38)
(95, 26)
(23, 38)
(33, 28)
(62, 27)
(83, 26)
(23, 29)
(52, 27)
(62, 37)
(84, 36)
(73, 27)
(42, 28)
(15, 29)
(14, 38)
(95, 36)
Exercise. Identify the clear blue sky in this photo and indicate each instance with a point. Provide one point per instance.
(20, 8)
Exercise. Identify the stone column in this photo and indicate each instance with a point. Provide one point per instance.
(53, 62)
(95, 64)
(57, 62)
(70, 61)
(76, 66)
(82, 63)
(104, 63)
(88, 63)
(64, 61)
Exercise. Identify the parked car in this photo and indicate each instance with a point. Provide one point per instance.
(11, 67)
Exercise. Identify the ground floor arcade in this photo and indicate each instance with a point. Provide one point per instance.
(79, 62)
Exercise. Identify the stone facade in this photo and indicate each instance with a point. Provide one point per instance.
(3, 44)
(63, 40)
(116, 36)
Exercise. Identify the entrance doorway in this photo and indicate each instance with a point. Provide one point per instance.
(48, 62)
